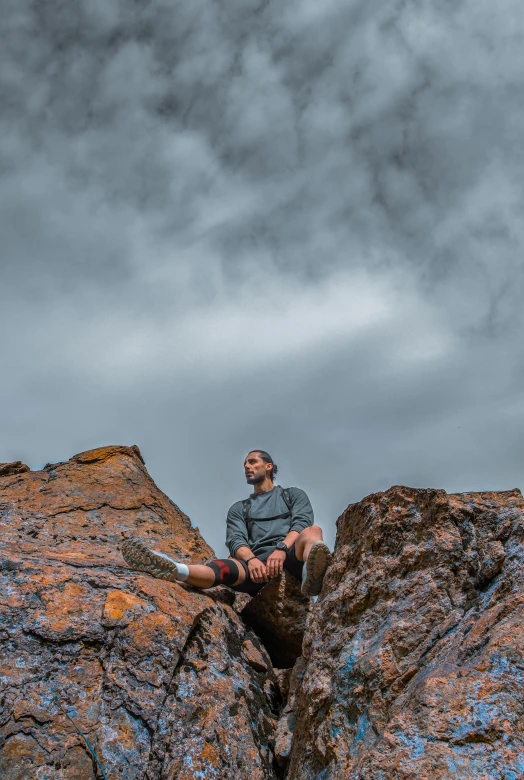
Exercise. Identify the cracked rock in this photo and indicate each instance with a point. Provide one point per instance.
(156, 675)
(278, 614)
(414, 654)
(412, 658)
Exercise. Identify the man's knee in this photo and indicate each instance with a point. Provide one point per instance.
(314, 531)
(226, 571)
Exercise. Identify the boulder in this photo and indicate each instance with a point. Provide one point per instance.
(278, 614)
(413, 658)
(164, 681)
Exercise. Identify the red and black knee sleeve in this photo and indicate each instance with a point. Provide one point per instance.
(225, 570)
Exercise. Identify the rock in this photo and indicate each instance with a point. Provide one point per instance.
(219, 716)
(414, 654)
(165, 681)
(284, 737)
(412, 660)
(240, 600)
(283, 677)
(278, 615)
(254, 657)
(285, 730)
(11, 469)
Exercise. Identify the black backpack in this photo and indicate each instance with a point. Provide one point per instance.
(245, 504)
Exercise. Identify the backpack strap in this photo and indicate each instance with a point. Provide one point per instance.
(287, 498)
(285, 495)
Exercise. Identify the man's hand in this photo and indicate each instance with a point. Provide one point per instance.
(275, 563)
(257, 570)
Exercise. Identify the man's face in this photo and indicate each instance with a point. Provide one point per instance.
(256, 470)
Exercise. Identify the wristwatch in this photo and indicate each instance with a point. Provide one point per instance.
(282, 546)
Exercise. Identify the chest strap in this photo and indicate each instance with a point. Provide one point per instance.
(287, 500)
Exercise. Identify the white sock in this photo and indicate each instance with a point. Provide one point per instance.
(183, 571)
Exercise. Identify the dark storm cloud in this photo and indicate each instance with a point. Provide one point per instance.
(297, 225)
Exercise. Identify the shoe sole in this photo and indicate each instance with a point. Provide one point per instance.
(319, 559)
(139, 556)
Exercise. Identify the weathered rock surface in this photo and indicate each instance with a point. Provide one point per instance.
(165, 682)
(9, 469)
(412, 664)
(413, 660)
(278, 614)
(290, 687)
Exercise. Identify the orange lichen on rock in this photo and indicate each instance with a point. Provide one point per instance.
(116, 649)
(411, 667)
(414, 657)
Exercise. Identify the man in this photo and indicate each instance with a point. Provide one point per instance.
(270, 531)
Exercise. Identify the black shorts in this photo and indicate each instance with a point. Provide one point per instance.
(291, 564)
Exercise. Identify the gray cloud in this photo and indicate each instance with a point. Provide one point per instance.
(249, 225)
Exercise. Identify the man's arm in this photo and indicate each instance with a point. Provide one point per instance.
(275, 562)
(243, 553)
(237, 542)
(301, 510)
(301, 517)
(236, 530)
(257, 569)
(290, 539)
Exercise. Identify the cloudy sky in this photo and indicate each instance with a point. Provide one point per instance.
(296, 226)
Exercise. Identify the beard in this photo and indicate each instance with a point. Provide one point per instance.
(255, 480)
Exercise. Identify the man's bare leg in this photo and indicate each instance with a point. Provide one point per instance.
(310, 548)
(139, 556)
(203, 577)
(305, 541)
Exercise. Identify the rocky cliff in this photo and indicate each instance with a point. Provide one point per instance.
(413, 659)
(411, 666)
(164, 681)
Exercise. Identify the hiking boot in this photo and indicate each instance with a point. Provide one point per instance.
(139, 556)
(314, 569)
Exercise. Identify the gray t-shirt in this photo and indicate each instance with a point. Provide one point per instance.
(269, 520)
